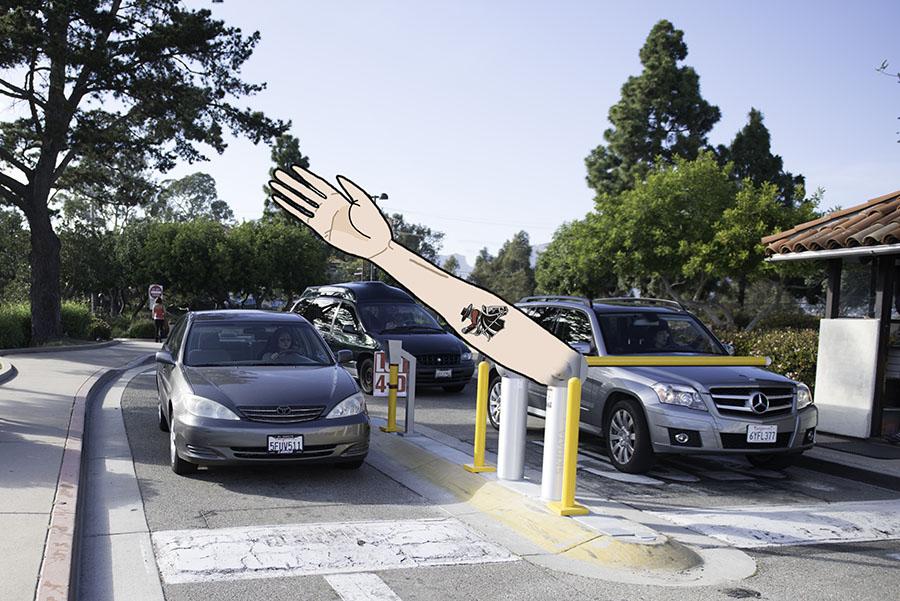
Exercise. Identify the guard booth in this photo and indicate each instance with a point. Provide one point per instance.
(858, 370)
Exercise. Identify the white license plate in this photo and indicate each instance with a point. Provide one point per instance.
(285, 445)
(762, 434)
(443, 373)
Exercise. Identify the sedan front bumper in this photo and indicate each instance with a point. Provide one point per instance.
(207, 441)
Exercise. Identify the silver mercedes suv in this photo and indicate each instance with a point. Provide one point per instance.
(641, 412)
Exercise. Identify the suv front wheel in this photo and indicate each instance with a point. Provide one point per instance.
(628, 438)
(494, 400)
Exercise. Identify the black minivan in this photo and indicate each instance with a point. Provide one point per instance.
(362, 316)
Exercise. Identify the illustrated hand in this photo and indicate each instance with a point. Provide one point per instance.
(350, 222)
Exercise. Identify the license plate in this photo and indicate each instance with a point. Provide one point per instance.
(443, 373)
(762, 434)
(285, 445)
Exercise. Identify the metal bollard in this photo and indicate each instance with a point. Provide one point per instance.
(393, 370)
(513, 427)
(568, 506)
(477, 464)
(554, 442)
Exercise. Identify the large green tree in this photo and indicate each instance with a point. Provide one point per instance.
(661, 115)
(13, 255)
(98, 78)
(190, 198)
(750, 154)
(285, 151)
(571, 265)
(509, 274)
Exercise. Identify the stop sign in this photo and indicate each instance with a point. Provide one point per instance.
(155, 291)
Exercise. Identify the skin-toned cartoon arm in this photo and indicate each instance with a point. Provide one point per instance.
(353, 224)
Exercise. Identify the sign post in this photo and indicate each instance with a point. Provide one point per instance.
(154, 292)
(405, 363)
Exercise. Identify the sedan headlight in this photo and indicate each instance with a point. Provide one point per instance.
(675, 394)
(202, 407)
(466, 356)
(353, 404)
(804, 396)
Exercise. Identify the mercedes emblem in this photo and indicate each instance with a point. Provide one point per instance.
(759, 402)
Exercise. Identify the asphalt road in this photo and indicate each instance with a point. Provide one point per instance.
(246, 497)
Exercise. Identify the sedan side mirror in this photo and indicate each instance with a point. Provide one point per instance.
(165, 357)
(344, 356)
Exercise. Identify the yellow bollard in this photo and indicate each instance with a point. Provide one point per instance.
(567, 505)
(481, 402)
(392, 400)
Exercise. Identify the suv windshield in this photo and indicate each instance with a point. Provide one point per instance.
(254, 343)
(382, 318)
(655, 333)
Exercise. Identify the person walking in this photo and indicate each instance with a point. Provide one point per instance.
(159, 318)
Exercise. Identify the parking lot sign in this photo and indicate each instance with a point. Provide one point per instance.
(380, 375)
(154, 292)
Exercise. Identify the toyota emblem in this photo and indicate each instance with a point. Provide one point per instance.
(283, 410)
(759, 403)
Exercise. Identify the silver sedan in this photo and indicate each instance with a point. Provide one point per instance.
(239, 387)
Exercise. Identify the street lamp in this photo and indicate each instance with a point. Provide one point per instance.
(375, 198)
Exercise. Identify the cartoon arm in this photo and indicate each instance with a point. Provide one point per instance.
(353, 224)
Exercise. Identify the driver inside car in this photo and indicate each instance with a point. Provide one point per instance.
(281, 343)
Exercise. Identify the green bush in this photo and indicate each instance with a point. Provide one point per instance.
(100, 330)
(793, 351)
(143, 328)
(76, 320)
(119, 325)
(15, 325)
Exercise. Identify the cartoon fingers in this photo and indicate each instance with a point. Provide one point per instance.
(351, 223)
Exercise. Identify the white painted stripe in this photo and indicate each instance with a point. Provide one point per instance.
(760, 526)
(361, 587)
(623, 477)
(725, 475)
(669, 473)
(326, 548)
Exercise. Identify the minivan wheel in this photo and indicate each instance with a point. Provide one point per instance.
(773, 461)
(628, 438)
(365, 372)
(494, 401)
(179, 465)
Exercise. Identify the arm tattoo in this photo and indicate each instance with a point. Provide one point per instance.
(487, 320)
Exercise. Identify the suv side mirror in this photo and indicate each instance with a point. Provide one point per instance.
(729, 348)
(344, 356)
(348, 329)
(582, 347)
(165, 357)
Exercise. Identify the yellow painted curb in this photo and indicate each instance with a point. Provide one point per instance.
(531, 519)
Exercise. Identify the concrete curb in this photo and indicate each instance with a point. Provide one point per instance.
(57, 578)
(860, 473)
(7, 372)
(52, 349)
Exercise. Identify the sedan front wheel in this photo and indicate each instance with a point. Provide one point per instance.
(179, 465)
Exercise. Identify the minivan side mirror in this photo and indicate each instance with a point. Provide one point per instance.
(344, 356)
(729, 348)
(582, 347)
(165, 357)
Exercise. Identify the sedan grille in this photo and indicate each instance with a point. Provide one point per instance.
(438, 359)
(281, 414)
(746, 401)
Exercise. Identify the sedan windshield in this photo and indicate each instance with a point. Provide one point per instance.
(254, 343)
(384, 318)
(655, 333)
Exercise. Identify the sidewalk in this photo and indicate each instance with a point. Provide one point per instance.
(35, 409)
(869, 460)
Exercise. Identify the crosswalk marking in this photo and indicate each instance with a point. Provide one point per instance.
(623, 477)
(361, 587)
(760, 526)
(206, 555)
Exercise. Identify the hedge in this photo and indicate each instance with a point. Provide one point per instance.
(143, 328)
(76, 321)
(793, 351)
(15, 325)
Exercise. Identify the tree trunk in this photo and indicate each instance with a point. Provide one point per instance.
(46, 320)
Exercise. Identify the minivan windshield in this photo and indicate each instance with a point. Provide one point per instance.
(640, 333)
(212, 344)
(387, 318)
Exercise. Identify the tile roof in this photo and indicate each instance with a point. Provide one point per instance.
(872, 223)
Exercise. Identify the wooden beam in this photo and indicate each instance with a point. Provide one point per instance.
(833, 290)
(884, 295)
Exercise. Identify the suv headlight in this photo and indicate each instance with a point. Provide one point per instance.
(202, 407)
(466, 356)
(675, 394)
(353, 404)
(804, 396)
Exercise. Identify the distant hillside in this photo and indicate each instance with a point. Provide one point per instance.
(464, 268)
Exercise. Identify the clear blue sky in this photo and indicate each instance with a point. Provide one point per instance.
(475, 117)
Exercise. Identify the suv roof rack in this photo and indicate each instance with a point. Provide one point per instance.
(552, 297)
(625, 300)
